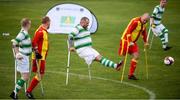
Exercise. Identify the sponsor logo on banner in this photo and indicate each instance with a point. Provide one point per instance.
(67, 21)
(64, 17)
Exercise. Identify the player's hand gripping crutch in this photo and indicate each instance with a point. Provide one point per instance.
(38, 56)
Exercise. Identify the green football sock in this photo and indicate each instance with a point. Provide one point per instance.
(108, 63)
(19, 85)
(161, 36)
(164, 37)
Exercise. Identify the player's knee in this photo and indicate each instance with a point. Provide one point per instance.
(136, 56)
(25, 77)
(98, 58)
(166, 30)
(42, 75)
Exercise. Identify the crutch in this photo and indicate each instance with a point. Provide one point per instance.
(147, 72)
(39, 76)
(145, 52)
(68, 63)
(15, 70)
(122, 76)
(89, 70)
(152, 38)
(25, 87)
(149, 32)
(29, 75)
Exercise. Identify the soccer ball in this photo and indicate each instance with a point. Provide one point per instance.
(168, 60)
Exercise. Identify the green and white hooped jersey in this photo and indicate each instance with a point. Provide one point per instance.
(157, 14)
(24, 41)
(81, 37)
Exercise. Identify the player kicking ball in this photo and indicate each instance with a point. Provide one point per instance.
(83, 46)
(22, 50)
(135, 29)
(157, 27)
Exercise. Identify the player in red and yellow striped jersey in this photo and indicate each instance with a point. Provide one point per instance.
(40, 46)
(136, 27)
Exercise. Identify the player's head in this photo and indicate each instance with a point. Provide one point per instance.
(163, 3)
(84, 22)
(46, 22)
(145, 17)
(26, 23)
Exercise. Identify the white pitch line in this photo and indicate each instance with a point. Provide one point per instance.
(152, 95)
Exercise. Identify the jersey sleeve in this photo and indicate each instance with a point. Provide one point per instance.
(131, 28)
(37, 37)
(19, 37)
(74, 32)
(155, 11)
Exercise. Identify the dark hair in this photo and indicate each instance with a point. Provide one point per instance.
(45, 20)
(84, 18)
(163, 0)
(25, 22)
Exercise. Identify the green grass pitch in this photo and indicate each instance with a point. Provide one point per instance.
(113, 17)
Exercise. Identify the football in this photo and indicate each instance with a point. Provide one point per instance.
(168, 60)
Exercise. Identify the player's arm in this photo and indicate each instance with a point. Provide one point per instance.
(71, 37)
(151, 21)
(155, 12)
(70, 43)
(131, 28)
(37, 37)
(73, 34)
(144, 36)
(16, 45)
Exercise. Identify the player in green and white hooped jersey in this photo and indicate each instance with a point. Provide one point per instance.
(83, 45)
(22, 49)
(157, 27)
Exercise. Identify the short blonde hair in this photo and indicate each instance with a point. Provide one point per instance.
(25, 22)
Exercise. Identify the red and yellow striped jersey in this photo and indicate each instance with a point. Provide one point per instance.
(134, 29)
(40, 40)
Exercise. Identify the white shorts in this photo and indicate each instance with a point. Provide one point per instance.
(158, 29)
(23, 65)
(88, 54)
